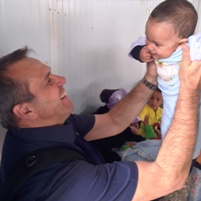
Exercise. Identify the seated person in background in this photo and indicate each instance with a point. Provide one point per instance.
(150, 117)
(149, 127)
(111, 97)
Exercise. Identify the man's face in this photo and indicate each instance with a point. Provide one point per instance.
(51, 104)
(156, 100)
(161, 39)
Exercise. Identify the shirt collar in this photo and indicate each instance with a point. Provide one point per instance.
(64, 133)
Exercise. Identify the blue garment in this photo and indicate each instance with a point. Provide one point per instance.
(169, 83)
(141, 151)
(73, 179)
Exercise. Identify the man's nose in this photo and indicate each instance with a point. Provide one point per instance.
(60, 80)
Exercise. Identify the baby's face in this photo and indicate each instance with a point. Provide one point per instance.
(156, 100)
(161, 39)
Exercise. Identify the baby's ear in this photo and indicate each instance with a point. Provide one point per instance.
(182, 41)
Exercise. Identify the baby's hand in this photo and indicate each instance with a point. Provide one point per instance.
(145, 55)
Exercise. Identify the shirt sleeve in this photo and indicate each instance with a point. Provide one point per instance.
(136, 48)
(107, 182)
(82, 123)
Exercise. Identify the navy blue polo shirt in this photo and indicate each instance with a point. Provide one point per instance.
(71, 180)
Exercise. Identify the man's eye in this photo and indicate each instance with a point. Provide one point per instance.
(49, 81)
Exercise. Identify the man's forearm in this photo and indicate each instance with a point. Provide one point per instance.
(173, 162)
(123, 114)
(178, 146)
(172, 165)
(130, 107)
(177, 149)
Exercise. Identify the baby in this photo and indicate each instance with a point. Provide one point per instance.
(169, 25)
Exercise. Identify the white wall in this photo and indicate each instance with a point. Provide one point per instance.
(85, 40)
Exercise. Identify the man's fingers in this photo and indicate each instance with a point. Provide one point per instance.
(186, 55)
(190, 71)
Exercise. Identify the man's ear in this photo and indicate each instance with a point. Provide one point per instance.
(24, 110)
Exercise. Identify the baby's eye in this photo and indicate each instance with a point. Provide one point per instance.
(157, 44)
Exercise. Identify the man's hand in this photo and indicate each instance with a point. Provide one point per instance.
(190, 71)
(145, 55)
(151, 74)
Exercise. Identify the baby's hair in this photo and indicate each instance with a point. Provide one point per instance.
(180, 13)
